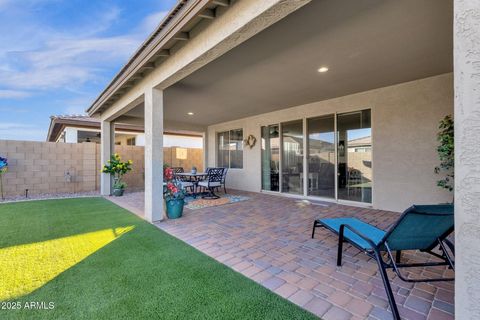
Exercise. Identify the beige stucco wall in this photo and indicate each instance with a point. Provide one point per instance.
(404, 126)
(467, 158)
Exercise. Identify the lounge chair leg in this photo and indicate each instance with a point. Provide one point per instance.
(313, 229)
(224, 189)
(386, 283)
(398, 256)
(340, 246)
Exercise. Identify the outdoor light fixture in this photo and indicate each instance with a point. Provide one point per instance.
(323, 69)
(190, 113)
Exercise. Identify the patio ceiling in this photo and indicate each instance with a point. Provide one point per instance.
(366, 44)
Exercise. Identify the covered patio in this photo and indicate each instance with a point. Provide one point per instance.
(330, 90)
(267, 238)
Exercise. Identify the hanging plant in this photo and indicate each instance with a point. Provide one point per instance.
(3, 169)
(446, 153)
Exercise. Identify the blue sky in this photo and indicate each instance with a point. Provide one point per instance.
(56, 56)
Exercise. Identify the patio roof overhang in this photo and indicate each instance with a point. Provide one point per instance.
(277, 68)
(365, 44)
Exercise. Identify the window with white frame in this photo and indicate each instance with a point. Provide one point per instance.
(131, 141)
(230, 149)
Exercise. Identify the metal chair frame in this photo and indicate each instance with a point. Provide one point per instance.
(395, 263)
(214, 175)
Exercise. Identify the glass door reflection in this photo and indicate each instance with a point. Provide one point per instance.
(292, 157)
(354, 154)
(321, 156)
(270, 158)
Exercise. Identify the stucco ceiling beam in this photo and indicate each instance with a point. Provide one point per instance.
(222, 3)
(207, 14)
(182, 36)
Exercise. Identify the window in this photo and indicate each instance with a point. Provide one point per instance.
(131, 141)
(230, 149)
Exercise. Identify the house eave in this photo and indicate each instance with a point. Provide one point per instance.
(183, 12)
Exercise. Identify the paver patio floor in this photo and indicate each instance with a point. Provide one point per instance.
(267, 239)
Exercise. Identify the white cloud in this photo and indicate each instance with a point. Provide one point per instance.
(68, 59)
(13, 94)
(13, 110)
(20, 131)
(152, 21)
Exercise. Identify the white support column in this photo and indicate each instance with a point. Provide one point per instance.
(467, 158)
(154, 155)
(205, 150)
(107, 137)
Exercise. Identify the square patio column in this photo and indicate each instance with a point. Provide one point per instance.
(205, 150)
(107, 140)
(154, 155)
(467, 158)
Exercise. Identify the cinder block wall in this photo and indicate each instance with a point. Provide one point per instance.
(49, 167)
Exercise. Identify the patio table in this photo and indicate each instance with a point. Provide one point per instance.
(194, 178)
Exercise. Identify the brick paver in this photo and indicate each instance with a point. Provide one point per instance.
(267, 238)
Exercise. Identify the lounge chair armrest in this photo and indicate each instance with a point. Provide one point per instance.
(358, 233)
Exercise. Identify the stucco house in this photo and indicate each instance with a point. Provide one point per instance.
(82, 128)
(307, 79)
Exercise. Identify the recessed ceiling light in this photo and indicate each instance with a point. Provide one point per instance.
(190, 113)
(323, 69)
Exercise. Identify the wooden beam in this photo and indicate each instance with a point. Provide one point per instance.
(207, 14)
(222, 3)
(182, 36)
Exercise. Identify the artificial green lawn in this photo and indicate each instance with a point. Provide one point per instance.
(143, 274)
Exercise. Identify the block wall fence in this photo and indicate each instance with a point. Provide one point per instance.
(49, 167)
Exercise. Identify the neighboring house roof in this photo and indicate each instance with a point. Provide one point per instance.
(59, 123)
(360, 142)
(156, 46)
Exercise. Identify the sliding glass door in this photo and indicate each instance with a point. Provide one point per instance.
(338, 160)
(354, 156)
(321, 156)
(292, 157)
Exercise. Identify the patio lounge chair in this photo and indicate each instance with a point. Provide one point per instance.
(420, 227)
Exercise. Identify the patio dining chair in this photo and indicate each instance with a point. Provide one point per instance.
(420, 227)
(184, 180)
(224, 177)
(214, 180)
(178, 170)
(186, 183)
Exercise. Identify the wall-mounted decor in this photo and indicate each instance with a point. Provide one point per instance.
(250, 141)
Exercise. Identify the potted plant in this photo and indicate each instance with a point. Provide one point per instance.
(117, 168)
(194, 170)
(3, 169)
(174, 195)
